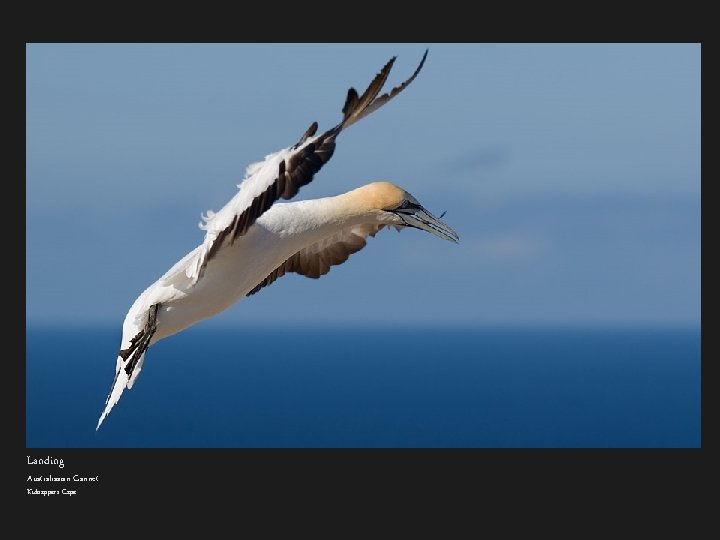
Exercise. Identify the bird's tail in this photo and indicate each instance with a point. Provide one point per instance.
(130, 358)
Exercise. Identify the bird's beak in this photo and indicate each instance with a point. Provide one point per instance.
(420, 218)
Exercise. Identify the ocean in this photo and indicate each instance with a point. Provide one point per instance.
(370, 387)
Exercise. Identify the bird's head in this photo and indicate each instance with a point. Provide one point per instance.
(395, 206)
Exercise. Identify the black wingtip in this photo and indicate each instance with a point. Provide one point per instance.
(358, 106)
(422, 62)
(308, 133)
(350, 101)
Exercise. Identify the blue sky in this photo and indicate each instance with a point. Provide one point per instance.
(570, 171)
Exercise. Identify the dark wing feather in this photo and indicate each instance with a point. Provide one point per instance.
(293, 173)
(359, 107)
(315, 260)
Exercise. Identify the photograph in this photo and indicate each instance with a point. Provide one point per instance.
(361, 246)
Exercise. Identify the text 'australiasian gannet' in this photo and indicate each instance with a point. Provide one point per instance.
(252, 241)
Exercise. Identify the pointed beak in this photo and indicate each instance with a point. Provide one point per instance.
(420, 218)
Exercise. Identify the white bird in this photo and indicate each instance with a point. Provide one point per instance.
(252, 240)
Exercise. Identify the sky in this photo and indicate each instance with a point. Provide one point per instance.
(570, 171)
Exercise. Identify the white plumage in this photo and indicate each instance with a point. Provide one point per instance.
(253, 240)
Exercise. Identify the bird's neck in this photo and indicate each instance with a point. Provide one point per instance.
(326, 214)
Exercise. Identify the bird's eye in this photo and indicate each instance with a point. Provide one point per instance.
(407, 206)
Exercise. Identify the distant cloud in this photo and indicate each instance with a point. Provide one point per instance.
(507, 247)
(479, 158)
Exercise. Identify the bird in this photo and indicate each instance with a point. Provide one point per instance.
(254, 239)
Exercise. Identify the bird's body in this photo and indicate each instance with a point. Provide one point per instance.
(281, 232)
(253, 240)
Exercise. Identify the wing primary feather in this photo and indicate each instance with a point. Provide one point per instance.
(350, 102)
(354, 105)
(357, 108)
(309, 133)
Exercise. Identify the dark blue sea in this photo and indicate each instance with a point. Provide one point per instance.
(357, 387)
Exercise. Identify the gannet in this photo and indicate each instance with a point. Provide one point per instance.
(253, 240)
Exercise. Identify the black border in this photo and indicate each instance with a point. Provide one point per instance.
(534, 486)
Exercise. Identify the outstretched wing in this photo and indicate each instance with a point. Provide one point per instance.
(316, 259)
(283, 173)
